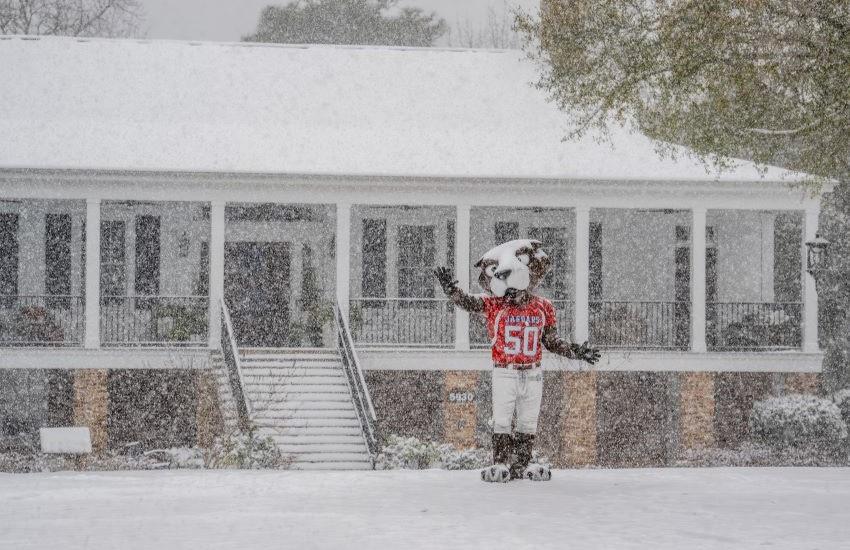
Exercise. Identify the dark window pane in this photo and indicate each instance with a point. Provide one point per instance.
(112, 255)
(417, 250)
(595, 260)
(8, 254)
(374, 266)
(506, 231)
(57, 257)
(555, 244)
(787, 260)
(147, 255)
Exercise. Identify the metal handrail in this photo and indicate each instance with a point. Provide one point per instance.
(357, 382)
(230, 352)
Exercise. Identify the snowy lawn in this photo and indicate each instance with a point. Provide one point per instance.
(799, 508)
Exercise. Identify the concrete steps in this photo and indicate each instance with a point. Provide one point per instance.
(301, 399)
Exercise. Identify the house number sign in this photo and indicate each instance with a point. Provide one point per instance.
(461, 396)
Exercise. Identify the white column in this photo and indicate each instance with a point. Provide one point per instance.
(343, 256)
(216, 271)
(582, 308)
(92, 335)
(698, 280)
(810, 295)
(462, 237)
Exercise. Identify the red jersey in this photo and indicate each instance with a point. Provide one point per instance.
(516, 332)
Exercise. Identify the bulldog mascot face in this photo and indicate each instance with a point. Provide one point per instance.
(513, 269)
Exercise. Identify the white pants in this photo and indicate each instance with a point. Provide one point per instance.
(520, 391)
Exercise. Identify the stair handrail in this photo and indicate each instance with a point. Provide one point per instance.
(230, 353)
(357, 382)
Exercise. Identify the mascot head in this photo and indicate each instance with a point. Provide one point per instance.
(513, 269)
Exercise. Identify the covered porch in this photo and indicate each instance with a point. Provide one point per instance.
(650, 273)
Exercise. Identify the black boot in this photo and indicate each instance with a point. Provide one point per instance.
(502, 447)
(522, 446)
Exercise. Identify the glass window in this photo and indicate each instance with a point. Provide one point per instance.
(416, 259)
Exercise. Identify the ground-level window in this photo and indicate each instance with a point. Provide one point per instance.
(417, 249)
(113, 277)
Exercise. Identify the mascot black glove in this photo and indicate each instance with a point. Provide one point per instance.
(585, 353)
(446, 279)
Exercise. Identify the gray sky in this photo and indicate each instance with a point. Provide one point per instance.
(228, 20)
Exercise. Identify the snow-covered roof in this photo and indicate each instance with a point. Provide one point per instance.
(337, 110)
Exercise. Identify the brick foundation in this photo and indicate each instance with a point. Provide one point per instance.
(696, 402)
(460, 410)
(208, 413)
(579, 419)
(802, 382)
(91, 402)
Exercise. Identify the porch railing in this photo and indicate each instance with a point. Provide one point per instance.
(41, 320)
(563, 313)
(640, 325)
(402, 321)
(747, 326)
(154, 320)
(233, 367)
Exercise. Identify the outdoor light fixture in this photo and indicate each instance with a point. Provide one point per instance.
(816, 257)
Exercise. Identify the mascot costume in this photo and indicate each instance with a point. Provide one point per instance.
(518, 322)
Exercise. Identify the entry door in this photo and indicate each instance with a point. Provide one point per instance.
(256, 285)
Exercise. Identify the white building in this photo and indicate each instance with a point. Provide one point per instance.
(286, 178)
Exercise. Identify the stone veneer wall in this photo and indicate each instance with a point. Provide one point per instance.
(91, 404)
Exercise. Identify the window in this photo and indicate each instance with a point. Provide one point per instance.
(506, 231)
(554, 241)
(113, 280)
(373, 283)
(416, 257)
(203, 286)
(147, 255)
(8, 254)
(595, 261)
(450, 245)
(57, 258)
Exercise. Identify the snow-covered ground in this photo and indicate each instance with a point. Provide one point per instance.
(795, 508)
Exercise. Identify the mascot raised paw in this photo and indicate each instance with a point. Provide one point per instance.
(518, 322)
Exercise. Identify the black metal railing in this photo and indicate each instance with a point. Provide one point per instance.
(402, 321)
(41, 320)
(154, 320)
(640, 325)
(563, 313)
(233, 366)
(356, 383)
(747, 326)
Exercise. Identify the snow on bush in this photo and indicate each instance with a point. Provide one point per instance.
(246, 451)
(407, 453)
(841, 399)
(798, 422)
(411, 453)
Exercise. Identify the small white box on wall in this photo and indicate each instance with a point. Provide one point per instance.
(65, 440)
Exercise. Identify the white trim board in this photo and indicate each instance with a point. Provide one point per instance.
(383, 190)
(615, 361)
(104, 358)
(427, 359)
